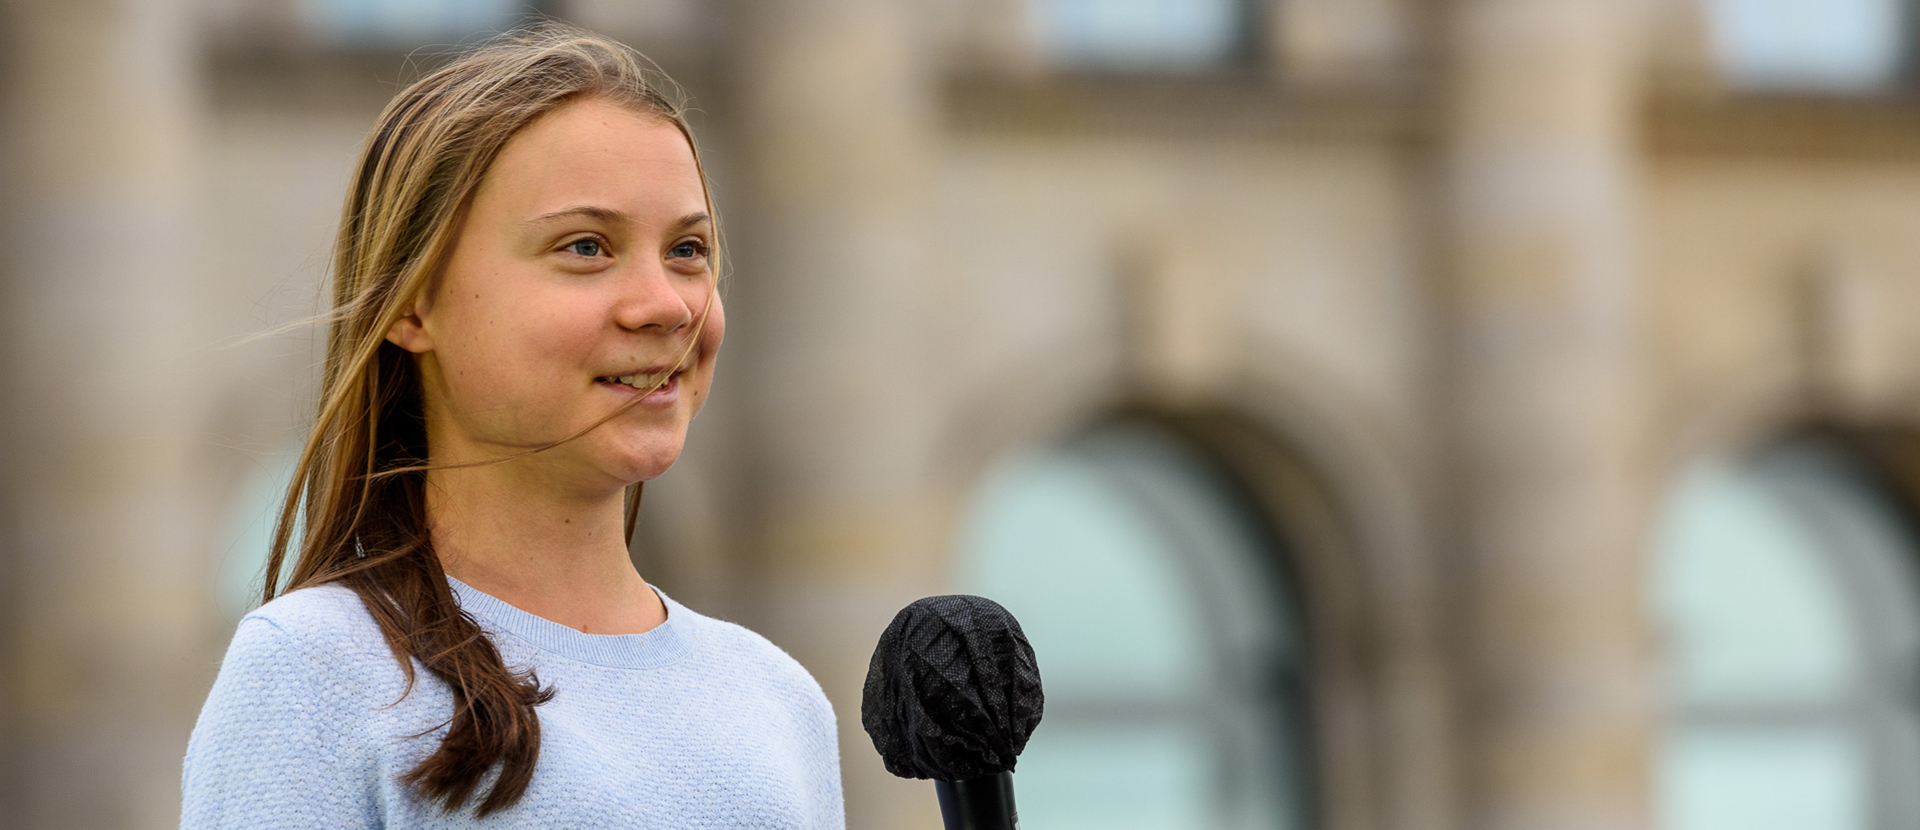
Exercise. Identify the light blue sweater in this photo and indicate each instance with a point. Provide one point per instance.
(697, 723)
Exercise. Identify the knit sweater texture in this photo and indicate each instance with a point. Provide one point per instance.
(696, 723)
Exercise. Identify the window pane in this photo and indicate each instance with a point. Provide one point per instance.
(1754, 614)
(1087, 575)
(1141, 777)
(1832, 45)
(1167, 651)
(407, 22)
(1138, 34)
(1788, 592)
(1792, 778)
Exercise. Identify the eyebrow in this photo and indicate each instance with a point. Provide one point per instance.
(692, 219)
(613, 217)
(608, 215)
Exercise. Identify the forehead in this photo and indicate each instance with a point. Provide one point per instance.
(597, 153)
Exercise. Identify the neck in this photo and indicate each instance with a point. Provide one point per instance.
(552, 553)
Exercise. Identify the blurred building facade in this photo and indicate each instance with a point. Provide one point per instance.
(1384, 413)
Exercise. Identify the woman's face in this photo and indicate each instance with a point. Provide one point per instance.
(577, 281)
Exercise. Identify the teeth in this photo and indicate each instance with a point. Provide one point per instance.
(644, 382)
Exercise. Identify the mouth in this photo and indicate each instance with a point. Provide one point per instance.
(654, 382)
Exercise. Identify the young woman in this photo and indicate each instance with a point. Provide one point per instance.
(526, 321)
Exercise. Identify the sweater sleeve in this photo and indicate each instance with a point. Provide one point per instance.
(265, 752)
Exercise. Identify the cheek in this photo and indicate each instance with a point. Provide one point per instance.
(711, 333)
(515, 347)
(714, 330)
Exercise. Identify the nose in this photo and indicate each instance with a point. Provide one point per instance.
(649, 301)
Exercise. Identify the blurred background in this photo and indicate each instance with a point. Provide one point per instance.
(1444, 414)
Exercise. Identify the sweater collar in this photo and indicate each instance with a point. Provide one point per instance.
(666, 644)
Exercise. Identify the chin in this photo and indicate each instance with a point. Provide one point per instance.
(644, 463)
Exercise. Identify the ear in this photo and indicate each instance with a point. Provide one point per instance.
(410, 333)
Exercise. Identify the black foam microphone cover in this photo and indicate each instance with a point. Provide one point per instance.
(953, 691)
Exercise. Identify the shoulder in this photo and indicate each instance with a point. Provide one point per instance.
(319, 609)
(312, 661)
(747, 656)
(283, 739)
(736, 643)
(788, 710)
(323, 632)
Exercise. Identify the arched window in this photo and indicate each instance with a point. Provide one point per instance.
(1789, 596)
(1166, 638)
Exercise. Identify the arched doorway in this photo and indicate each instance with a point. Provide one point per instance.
(1168, 637)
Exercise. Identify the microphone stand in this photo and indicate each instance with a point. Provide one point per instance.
(978, 803)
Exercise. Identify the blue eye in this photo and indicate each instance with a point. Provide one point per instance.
(687, 250)
(585, 247)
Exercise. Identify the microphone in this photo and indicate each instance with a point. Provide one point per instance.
(952, 694)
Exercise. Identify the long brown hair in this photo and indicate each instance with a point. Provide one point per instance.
(358, 489)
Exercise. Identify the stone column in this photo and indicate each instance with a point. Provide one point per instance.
(1540, 161)
(836, 136)
(105, 631)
